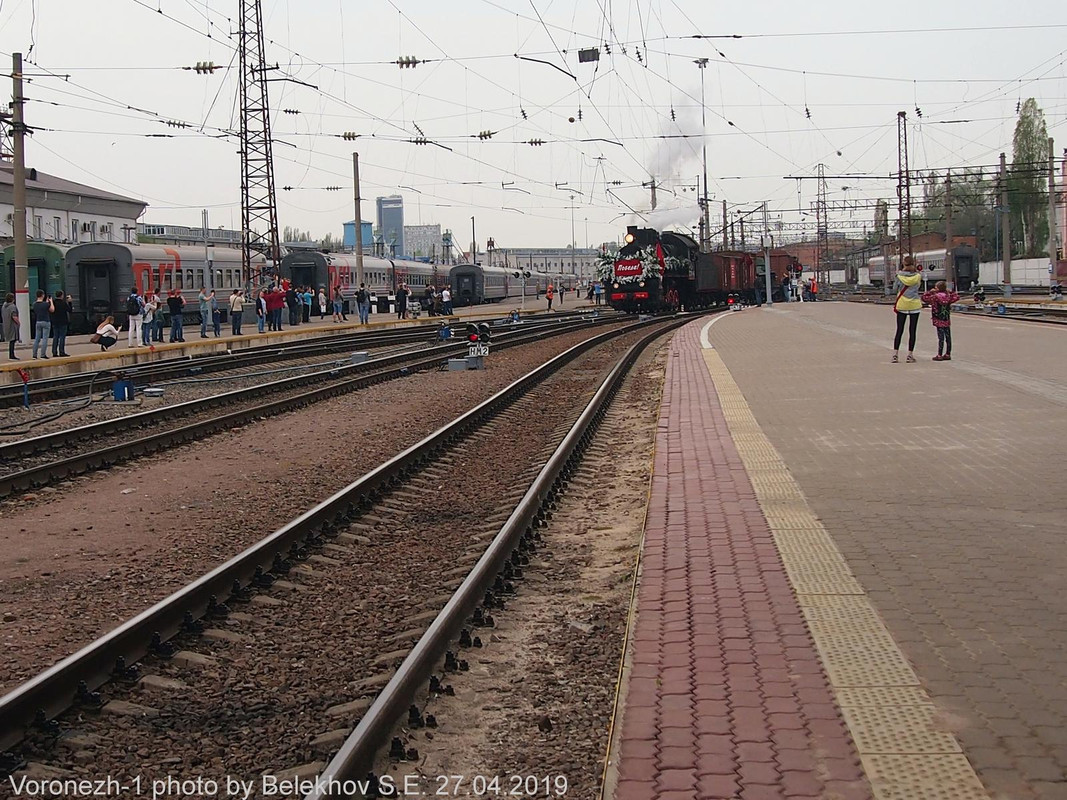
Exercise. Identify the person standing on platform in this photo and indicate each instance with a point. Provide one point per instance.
(293, 303)
(363, 304)
(205, 311)
(261, 311)
(175, 304)
(785, 288)
(9, 322)
(338, 305)
(237, 311)
(157, 334)
(148, 319)
(306, 297)
(42, 312)
(216, 314)
(402, 302)
(598, 293)
(446, 301)
(908, 306)
(549, 294)
(940, 300)
(322, 303)
(60, 323)
(135, 318)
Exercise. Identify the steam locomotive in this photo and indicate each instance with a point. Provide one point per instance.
(666, 271)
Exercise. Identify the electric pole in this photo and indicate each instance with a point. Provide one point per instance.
(259, 204)
(573, 271)
(950, 261)
(1005, 222)
(359, 219)
(22, 269)
(1051, 209)
(822, 230)
(725, 229)
(903, 189)
(767, 254)
(702, 63)
(474, 244)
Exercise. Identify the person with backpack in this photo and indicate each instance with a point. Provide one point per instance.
(134, 318)
(363, 303)
(940, 300)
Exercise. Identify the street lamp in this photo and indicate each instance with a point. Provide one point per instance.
(572, 235)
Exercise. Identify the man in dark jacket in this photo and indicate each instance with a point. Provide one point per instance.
(402, 302)
(294, 303)
(60, 324)
(175, 304)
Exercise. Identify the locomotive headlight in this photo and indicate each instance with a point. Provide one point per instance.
(614, 286)
(642, 284)
(629, 239)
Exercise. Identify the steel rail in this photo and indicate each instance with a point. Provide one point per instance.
(11, 451)
(60, 687)
(356, 757)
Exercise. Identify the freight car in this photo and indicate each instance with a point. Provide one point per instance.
(666, 271)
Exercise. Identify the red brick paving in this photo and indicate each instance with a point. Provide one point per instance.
(727, 697)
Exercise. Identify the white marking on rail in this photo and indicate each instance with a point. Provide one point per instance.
(704, 343)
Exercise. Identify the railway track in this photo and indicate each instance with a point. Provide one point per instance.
(174, 368)
(406, 556)
(1046, 316)
(32, 463)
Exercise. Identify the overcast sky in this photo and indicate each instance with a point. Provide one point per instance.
(845, 63)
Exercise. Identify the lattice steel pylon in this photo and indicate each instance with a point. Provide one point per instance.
(903, 188)
(259, 206)
(822, 235)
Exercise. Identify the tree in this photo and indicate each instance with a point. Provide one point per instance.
(1027, 196)
(973, 198)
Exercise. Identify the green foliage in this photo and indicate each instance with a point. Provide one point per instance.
(1027, 182)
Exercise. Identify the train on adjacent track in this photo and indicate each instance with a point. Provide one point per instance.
(470, 284)
(931, 265)
(98, 276)
(665, 271)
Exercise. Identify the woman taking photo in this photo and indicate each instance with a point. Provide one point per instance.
(106, 334)
(908, 307)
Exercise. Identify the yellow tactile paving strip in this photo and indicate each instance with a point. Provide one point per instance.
(906, 752)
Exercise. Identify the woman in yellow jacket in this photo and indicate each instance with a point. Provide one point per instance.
(908, 307)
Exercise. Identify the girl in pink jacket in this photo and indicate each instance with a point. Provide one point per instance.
(940, 300)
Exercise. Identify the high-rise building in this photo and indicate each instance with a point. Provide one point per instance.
(423, 241)
(391, 224)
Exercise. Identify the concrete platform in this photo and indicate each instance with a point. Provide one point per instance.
(913, 513)
(85, 356)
